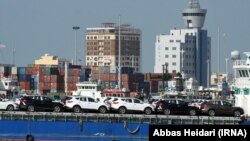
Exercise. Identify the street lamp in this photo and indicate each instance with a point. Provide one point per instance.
(164, 75)
(13, 55)
(218, 82)
(182, 62)
(208, 74)
(76, 28)
(226, 59)
(219, 55)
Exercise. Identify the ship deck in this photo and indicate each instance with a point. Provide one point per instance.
(118, 118)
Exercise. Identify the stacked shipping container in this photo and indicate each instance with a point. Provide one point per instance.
(50, 78)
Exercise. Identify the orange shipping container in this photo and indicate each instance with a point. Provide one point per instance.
(35, 70)
(24, 85)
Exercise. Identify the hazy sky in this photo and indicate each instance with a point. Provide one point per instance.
(36, 27)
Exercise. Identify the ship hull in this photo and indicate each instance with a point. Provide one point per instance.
(72, 130)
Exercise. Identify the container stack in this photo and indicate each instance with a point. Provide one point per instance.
(50, 78)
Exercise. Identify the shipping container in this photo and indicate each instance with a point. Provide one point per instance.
(28, 70)
(13, 70)
(21, 70)
(56, 79)
(61, 71)
(24, 77)
(46, 79)
(24, 85)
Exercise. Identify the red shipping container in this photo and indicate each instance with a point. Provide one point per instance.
(25, 85)
(46, 78)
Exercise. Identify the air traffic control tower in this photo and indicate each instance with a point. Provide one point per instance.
(194, 16)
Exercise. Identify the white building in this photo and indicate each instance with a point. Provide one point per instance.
(186, 51)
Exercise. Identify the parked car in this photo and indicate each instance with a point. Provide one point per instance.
(221, 107)
(17, 98)
(176, 106)
(199, 103)
(33, 103)
(8, 105)
(79, 103)
(123, 105)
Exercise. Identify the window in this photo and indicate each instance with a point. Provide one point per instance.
(171, 41)
(166, 56)
(174, 48)
(136, 101)
(174, 63)
(91, 100)
(246, 73)
(129, 100)
(83, 99)
(173, 56)
(240, 73)
(166, 48)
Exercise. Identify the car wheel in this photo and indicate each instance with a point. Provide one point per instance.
(148, 111)
(211, 113)
(10, 108)
(192, 112)
(102, 110)
(77, 109)
(237, 113)
(57, 109)
(31, 108)
(122, 110)
(166, 111)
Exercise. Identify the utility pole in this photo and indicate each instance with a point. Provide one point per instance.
(76, 28)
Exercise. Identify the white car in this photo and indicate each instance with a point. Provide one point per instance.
(79, 103)
(123, 105)
(8, 105)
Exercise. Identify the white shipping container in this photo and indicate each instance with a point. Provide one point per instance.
(1, 69)
(13, 70)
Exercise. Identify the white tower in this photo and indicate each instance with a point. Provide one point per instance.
(194, 16)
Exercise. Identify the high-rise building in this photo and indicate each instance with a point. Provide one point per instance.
(188, 50)
(102, 46)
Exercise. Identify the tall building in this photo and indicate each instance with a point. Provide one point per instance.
(188, 50)
(103, 46)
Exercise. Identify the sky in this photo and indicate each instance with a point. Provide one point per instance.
(36, 27)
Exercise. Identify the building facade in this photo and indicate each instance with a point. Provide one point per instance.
(102, 47)
(188, 50)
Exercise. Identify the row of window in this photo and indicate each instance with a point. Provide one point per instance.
(244, 73)
(193, 14)
(186, 48)
(186, 56)
(133, 38)
(178, 41)
(108, 64)
(122, 58)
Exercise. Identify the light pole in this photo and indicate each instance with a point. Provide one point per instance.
(76, 28)
(13, 55)
(218, 82)
(226, 59)
(182, 62)
(119, 54)
(208, 74)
